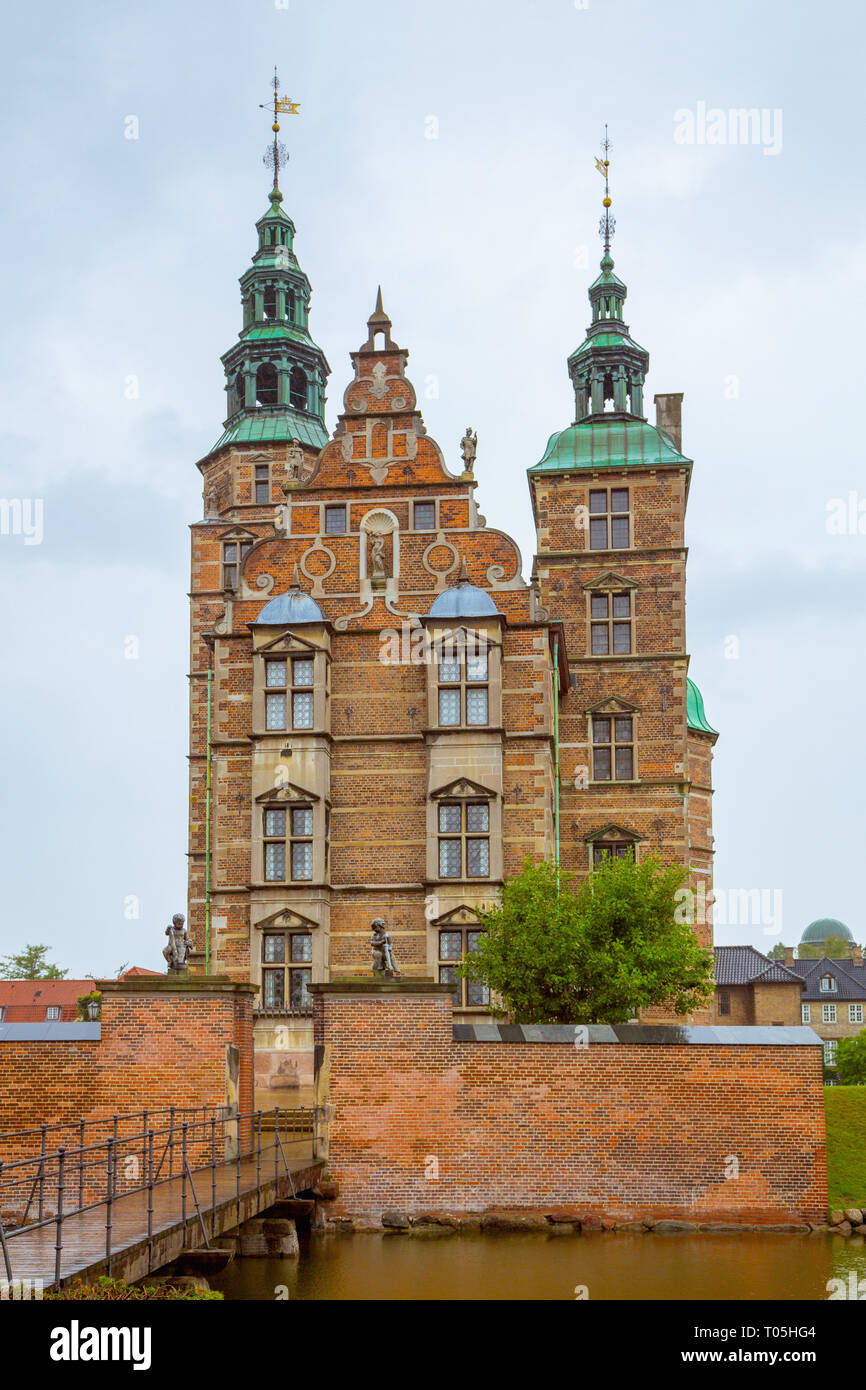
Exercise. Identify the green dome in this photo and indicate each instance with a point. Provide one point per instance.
(824, 928)
(607, 443)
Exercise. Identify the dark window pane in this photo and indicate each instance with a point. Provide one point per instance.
(448, 976)
(246, 547)
(598, 501)
(623, 731)
(450, 945)
(302, 711)
(274, 948)
(619, 499)
(302, 820)
(230, 552)
(478, 816)
(597, 534)
(302, 946)
(624, 764)
(623, 852)
(229, 576)
(275, 862)
(600, 640)
(275, 711)
(273, 989)
(425, 516)
(472, 939)
(601, 765)
(599, 606)
(335, 521)
(263, 492)
(261, 472)
(477, 995)
(302, 859)
(275, 673)
(621, 638)
(601, 731)
(618, 533)
(724, 1003)
(302, 672)
(478, 858)
(449, 819)
(449, 859)
(275, 823)
(622, 605)
(301, 998)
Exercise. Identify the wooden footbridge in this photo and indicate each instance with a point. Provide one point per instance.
(130, 1200)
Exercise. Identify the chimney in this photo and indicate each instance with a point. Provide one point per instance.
(789, 955)
(856, 955)
(669, 416)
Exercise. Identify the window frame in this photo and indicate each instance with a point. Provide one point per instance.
(463, 837)
(463, 686)
(805, 1013)
(724, 1002)
(829, 1051)
(424, 502)
(330, 510)
(828, 1013)
(262, 484)
(450, 962)
(606, 515)
(855, 1013)
(286, 968)
(612, 746)
(610, 623)
(240, 549)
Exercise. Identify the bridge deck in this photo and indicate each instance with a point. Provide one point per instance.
(133, 1255)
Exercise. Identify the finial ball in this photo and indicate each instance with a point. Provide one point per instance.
(606, 202)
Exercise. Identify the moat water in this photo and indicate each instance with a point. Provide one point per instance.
(529, 1266)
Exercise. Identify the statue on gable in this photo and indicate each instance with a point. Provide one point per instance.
(384, 962)
(469, 448)
(294, 463)
(176, 949)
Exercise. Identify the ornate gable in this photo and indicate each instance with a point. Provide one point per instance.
(463, 787)
(608, 581)
(612, 705)
(284, 795)
(286, 917)
(613, 832)
(461, 916)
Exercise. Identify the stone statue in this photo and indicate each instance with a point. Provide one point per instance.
(176, 950)
(383, 955)
(377, 555)
(294, 461)
(469, 448)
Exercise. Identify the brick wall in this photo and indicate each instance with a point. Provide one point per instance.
(618, 1129)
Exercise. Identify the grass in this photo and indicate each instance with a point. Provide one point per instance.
(845, 1108)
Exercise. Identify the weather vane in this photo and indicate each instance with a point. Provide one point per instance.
(278, 154)
(607, 222)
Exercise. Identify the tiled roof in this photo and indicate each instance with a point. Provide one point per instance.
(743, 965)
(850, 979)
(26, 1001)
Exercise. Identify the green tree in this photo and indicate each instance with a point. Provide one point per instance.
(593, 954)
(30, 964)
(851, 1060)
(835, 948)
(777, 953)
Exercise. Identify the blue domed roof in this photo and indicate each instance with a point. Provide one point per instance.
(290, 609)
(824, 928)
(465, 600)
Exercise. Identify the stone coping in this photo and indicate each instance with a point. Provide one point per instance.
(364, 985)
(185, 983)
(50, 1032)
(643, 1034)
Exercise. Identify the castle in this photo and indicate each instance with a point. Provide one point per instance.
(386, 715)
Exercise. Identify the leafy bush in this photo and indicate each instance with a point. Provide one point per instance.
(115, 1290)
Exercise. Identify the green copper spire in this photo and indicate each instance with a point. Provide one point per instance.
(275, 373)
(609, 368)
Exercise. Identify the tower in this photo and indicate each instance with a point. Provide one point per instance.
(609, 498)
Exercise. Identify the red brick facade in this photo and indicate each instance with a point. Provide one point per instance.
(695, 1132)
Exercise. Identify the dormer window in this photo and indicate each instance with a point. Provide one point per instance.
(463, 690)
(828, 984)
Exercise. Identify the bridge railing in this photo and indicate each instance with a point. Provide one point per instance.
(52, 1184)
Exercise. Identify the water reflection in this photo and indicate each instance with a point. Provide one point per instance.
(610, 1266)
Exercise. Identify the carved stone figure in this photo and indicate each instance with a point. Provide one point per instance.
(377, 555)
(176, 949)
(384, 962)
(469, 448)
(294, 461)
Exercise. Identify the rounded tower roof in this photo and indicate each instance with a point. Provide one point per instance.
(464, 600)
(825, 927)
(291, 608)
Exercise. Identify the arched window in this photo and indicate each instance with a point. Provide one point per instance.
(270, 302)
(239, 387)
(298, 389)
(266, 384)
(290, 305)
(607, 392)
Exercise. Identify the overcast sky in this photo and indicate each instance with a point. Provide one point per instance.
(120, 258)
